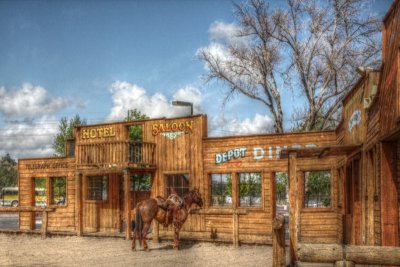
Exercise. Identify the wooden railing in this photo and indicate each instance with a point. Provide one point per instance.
(116, 152)
(44, 211)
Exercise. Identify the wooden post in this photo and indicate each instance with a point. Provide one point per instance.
(78, 203)
(235, 224)
(44, 224)
(127, 205)
(293, 208)
(278, 241)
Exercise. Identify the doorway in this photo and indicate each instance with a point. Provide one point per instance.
(281, 197)
(352, 224)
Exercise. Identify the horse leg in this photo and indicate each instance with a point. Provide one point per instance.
(176, 238)
(144, 234)
(134, 239)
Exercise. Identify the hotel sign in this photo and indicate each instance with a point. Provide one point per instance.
(101, 132)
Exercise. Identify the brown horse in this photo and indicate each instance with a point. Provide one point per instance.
(155, 208)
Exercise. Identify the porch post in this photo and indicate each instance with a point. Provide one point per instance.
(127, 205)
(293, 208)
(78, 203)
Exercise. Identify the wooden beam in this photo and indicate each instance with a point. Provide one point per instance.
(294, 207)
(235, 227)
(332, 253)
(278, 241)
(78, 203)
(127, 205)
(44, 223)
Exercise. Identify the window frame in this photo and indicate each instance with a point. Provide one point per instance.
(182, 188)
(237, 195)
(51, 191)
(219, 206)
(87, 195)
(303, 187)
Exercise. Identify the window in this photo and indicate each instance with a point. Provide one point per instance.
(58, 187)
(317, 189)
(97, 188)
(250, 189)
(281, 192)
(221, 189)
(141, 182)
(40, 192)
(178, 183)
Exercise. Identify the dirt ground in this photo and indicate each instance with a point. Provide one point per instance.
(28, 250)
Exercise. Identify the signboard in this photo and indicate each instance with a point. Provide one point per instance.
(172, 130)
(100, 132)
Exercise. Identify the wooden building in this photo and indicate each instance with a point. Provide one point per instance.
(106, 171)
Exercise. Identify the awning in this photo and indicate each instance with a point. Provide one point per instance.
(323, 151)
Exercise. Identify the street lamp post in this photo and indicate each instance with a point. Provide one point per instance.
(184, 104)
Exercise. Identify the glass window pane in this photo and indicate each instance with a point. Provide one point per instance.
(250, 189)
(97, 188)
(58, 190)
(317, 189)
(221, 190)
(178, 183)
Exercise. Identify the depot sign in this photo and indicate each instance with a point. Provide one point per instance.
(257, 153)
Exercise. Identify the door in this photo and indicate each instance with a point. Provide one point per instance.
(352, 221)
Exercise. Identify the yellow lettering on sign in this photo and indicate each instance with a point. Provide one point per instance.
(158, 128)
(98, 132)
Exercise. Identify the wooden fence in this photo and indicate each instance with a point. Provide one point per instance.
(116, 152)
(44, 211)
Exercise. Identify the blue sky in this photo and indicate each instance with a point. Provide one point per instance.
(98, 58)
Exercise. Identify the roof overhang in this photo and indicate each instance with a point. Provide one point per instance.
(323, 151)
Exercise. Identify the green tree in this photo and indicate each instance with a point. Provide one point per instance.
(318, 188)
(8, 171)
(65, 132)
(281, 183)
(135, 131)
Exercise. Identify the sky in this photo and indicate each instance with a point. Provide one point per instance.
(100, 58)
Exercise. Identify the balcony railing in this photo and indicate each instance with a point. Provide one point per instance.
(116, 153)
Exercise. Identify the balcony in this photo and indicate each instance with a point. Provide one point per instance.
(116, 154)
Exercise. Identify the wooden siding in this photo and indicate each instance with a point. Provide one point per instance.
(63, 218)
(389, 88)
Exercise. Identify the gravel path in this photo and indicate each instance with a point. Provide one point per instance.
(28, 250)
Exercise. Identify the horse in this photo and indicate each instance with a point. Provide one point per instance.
(156, 208)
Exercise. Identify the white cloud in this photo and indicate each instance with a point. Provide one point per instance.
(27, 139)
(29, 101)
(221, 126)
(126, 96)
(227, 33)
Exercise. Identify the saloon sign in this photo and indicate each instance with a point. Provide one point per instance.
(172, 130)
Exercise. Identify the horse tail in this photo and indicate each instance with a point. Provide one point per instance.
(139, 224)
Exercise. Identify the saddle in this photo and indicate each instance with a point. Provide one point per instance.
(172, 203)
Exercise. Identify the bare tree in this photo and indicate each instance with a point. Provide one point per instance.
(311, 47)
